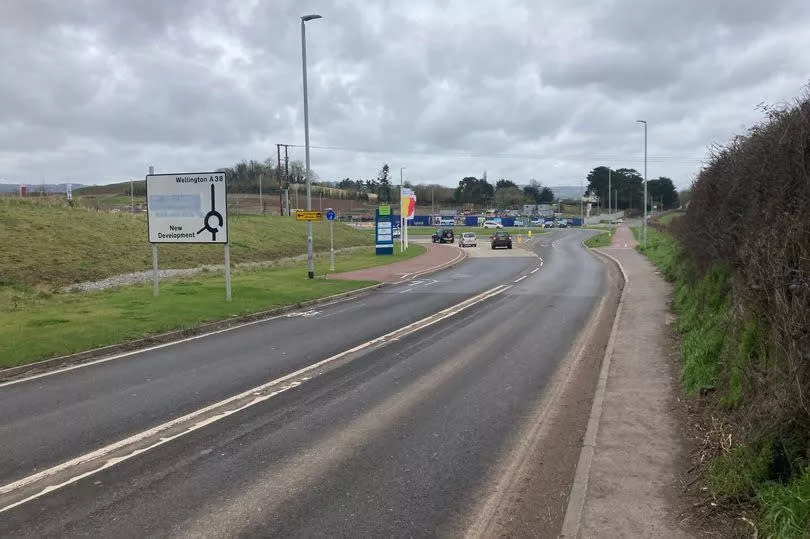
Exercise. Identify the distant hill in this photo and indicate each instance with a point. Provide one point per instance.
(566, 191)
(36, 187)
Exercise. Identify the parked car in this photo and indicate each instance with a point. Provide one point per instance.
(537, 222)
(446, 221)
(563, 223)
(492, 224)
(444, 235)
(468, 239)
(549, 224)
(519, 223)
(501, 239)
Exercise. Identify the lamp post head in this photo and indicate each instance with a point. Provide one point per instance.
(306, 18)
(642, 122)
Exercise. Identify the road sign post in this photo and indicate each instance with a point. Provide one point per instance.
(330, 216)
(188, 208)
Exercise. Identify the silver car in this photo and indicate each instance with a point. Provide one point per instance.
(468, 239)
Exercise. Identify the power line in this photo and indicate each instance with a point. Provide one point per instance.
(462, 155)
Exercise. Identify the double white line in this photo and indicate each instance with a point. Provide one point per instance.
(34, 486)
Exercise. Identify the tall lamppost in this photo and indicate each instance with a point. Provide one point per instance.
(304, 19)
(644, 228)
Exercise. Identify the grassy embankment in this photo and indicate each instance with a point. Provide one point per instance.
(599, 240)
(716, 350)
(49, 247)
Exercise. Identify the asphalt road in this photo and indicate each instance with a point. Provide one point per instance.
(400, 439)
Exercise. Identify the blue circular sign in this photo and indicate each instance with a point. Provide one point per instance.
(330, 215)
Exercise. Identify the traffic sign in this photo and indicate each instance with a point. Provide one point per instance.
(330, 214)
(187, 208)
(309, 216)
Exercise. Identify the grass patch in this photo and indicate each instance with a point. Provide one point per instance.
(49, 326)
(736, 475)
(785, 509)
(53, 244)
(599, 240)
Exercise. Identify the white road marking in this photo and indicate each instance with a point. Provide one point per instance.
(123, 450)
(535, 270)
(520, 279)
(163, 345)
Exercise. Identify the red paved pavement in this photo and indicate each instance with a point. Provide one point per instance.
(438, 256)
(623, 239)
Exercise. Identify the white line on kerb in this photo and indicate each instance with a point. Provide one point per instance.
(295, 379)
(535, 270)
(520, 279)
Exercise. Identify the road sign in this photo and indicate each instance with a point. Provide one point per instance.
(330, 214)
(309, 216)
(187, 208)
(383, 231)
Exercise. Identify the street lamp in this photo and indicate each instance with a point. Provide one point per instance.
(304, 19)
(644, 229)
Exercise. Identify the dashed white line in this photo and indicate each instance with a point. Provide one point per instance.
(535, 270)
(520, 278)
(128, 448)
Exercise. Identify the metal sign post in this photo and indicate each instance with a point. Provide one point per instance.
(330, 216)
(177, 206)
(155, 275)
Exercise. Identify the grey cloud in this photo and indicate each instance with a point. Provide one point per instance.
(95, 90)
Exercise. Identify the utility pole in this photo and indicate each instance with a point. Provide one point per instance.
(644, 229)
(287, 179)
(278, 175)
(610, 173)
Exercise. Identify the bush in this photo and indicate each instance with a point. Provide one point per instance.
(786, 508)
(736, 475)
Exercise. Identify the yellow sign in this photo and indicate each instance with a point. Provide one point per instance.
(309, 216)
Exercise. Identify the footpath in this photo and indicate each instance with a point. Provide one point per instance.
(626, 483)
(437, 257)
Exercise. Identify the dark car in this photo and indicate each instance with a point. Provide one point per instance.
(444, 235)
(501, 239)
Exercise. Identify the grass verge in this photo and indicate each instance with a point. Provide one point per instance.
(49, 325)
(599, 240)
(718, 344)
(51, 245)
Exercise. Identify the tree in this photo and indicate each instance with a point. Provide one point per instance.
(471, 190)
(546, 196)
(508, 197)
(661, 191)
(627, 181)
(502, 183)
(385, 185)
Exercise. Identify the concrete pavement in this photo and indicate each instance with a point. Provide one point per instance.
(626, 483)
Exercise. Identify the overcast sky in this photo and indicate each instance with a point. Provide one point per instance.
(95, 91)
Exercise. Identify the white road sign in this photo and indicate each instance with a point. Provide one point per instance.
(187, 208)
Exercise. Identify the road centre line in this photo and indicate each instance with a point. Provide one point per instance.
(520, 278)
(535, 270)
(159, 346)
(137, 444)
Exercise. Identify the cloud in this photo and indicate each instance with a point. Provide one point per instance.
(96, 90)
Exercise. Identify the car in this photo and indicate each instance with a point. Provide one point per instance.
(619, 221)
(501, 239)
(447, 222)
(563, 223)
(519, 223)
(491, 224)
(468, 239)
(444, 235)
(548, 224)
(537, 222)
